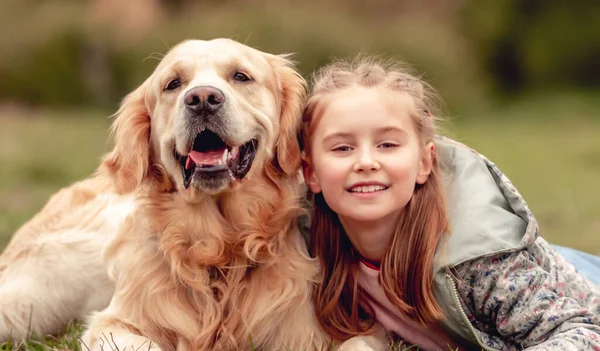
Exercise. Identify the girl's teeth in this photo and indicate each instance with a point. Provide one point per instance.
(367, 189)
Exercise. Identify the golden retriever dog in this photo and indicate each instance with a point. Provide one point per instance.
(190, 225)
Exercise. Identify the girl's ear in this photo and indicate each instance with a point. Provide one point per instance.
(426, 163)
(310, 177)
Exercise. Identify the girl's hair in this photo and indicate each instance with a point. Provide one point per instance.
(406, 273)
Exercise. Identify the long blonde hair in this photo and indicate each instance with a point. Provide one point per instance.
(407, 266)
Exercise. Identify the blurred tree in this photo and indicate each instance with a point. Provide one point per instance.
(536, 44)
(93, 52)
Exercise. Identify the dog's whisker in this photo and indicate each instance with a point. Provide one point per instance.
(165, 42)
(154, 56)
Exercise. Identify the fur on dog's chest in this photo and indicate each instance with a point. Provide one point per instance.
(223, 307)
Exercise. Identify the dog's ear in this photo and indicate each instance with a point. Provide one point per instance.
(129, 161)
(292, 87)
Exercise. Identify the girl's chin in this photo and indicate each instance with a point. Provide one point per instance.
(369, 215)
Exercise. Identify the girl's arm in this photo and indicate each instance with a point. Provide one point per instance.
(532, 299)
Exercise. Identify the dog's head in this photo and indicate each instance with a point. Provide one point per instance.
(212, 113)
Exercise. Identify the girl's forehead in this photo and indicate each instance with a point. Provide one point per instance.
(361, 101)
(370, 97)
(364, 112)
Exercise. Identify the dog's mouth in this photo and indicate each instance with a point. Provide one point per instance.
(211, 158)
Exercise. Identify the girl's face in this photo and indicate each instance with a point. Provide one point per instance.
(366, 157)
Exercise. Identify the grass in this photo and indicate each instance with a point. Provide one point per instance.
(69, 340)
(549, 148)
(41, 152)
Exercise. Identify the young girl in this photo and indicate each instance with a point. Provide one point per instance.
(424, 235)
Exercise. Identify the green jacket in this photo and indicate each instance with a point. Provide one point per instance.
(500, 285)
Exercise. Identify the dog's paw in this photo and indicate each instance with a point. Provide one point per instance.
(363, 343)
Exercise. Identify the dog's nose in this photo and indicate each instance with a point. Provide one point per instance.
(204, 99)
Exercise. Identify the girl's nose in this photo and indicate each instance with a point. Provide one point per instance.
(366, 163)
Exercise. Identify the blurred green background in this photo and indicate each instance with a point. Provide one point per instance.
(520, 81)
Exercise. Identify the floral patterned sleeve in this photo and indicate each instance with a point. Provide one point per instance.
(530, 299)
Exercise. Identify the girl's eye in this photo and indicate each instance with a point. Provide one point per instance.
(388, 145)
(174, 84)
(342, 148)
(241, 77)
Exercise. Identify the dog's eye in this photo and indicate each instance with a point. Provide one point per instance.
(174, 84)
(241, 77)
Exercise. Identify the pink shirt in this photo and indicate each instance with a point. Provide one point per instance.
(429, 339)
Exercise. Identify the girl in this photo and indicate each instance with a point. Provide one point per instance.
(470, 275)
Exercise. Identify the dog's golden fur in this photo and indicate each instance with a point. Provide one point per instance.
(203, 271)
(218, 265)
(52, 270)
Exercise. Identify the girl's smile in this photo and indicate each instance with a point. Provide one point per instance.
(367, 189)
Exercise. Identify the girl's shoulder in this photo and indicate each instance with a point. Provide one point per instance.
(487, 213)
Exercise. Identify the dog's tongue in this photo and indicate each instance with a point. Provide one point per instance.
(208, 158)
